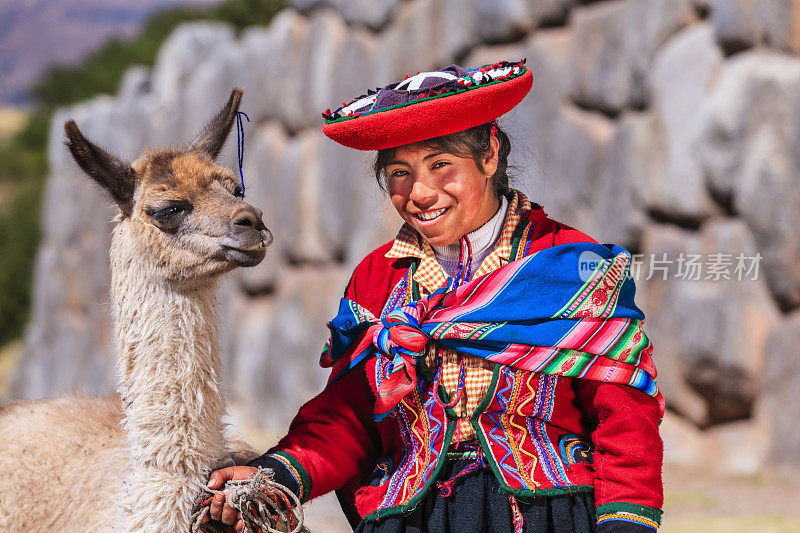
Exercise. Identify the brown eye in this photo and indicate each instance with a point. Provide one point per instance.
(169, 214)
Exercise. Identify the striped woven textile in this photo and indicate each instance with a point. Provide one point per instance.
(566, 310)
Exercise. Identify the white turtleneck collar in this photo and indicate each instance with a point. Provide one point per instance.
(483, 240)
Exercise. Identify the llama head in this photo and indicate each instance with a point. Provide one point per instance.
(182, 210)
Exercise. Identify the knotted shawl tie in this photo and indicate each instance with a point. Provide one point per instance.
(567, 310)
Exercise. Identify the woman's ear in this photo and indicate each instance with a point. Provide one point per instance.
(490, 161)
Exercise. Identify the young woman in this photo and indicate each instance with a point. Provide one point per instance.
(489, 368)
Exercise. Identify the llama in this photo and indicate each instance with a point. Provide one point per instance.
(137, 462)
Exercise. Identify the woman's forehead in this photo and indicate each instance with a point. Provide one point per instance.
(416, 152)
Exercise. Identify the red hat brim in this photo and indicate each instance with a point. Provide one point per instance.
(433, 117)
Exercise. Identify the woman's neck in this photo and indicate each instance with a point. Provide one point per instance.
(482, 239)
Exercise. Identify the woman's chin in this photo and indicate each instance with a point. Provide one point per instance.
(434, 234)
(438, 239)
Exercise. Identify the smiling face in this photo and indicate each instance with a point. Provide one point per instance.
(442, 195)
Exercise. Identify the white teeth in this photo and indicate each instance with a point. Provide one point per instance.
(431, 215)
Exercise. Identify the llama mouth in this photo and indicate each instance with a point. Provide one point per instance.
(245, 257)
(245, 254)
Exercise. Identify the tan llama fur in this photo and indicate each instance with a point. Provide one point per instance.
(136, 462)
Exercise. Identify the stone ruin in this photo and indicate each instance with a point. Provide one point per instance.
(668, 126)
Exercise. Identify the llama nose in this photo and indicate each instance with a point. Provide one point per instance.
(248, 217)
(247, 226)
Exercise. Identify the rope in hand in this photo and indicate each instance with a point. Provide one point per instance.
(265, 505)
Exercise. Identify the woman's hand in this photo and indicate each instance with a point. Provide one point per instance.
(219, 509)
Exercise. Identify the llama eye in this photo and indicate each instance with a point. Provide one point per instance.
(238, 192)
(169, 212)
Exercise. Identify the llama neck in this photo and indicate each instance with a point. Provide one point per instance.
(169, 381)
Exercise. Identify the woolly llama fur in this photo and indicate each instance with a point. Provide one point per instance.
(136, 461)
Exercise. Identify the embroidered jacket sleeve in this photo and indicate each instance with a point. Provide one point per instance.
(627, 457)
(333, 439)
(628, 448)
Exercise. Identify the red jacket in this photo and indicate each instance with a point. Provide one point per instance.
(589, 436)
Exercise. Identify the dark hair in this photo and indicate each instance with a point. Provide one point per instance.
(473, 142)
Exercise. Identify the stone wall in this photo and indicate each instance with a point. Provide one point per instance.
(669, 126)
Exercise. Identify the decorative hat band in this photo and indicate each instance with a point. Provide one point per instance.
(427, 105)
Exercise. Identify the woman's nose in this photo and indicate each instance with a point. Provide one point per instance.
(422, 194)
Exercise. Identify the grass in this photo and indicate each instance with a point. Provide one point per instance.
(23, 155)
(9, 354)
(12, 120)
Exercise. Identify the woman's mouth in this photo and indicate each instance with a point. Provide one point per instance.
(430, 215)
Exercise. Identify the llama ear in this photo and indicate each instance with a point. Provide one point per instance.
(113, 174)
(213, 136)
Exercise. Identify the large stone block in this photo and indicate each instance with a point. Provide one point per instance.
(285, 184)
(277, 342)
(279, 72)
(709, 323)
(601, 75)
(683, 75)
(377, 224)
(68, 341)
(578, 146)
(372, 13)
(450, 30)
(200, 48)
(530, 124)
(780, 23)
(189, 45)
(209, 87)
(736, 24)
(346, 180)
(500, 20)
(136, 82)
(353, 69)
(550, 12)
(649, 25)
(748, 149)
(741, 24)
(326, 36)
(780, 389)
(398, 52)
(614, 45)
(616, 210)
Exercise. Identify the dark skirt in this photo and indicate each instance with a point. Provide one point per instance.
(477, 505)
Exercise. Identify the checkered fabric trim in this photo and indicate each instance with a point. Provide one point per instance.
(430, 276)
(477, 377)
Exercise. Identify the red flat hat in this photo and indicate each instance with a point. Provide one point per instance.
(428, 105)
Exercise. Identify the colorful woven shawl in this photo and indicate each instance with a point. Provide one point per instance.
(566, 310)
